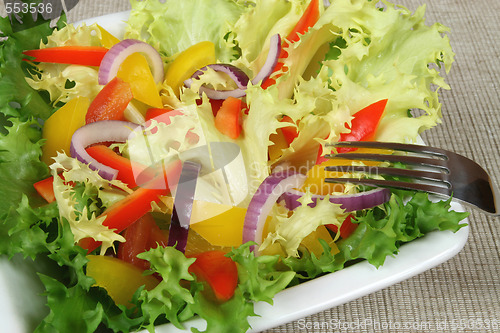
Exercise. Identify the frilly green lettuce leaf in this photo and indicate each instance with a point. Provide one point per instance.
(178, 24)
(389, 53)
(259, 276)
(169, 297)
(83, 216)
(289, 231)
(381, 232)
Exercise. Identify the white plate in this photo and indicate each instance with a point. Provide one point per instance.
(20, 309)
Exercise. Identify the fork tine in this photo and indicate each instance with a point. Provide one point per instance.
(421, 174)
(415, 160)
(393, 183)
(437, 152)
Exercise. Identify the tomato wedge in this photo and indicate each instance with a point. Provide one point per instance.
(218, 271)
(73, 55)
(141, 236)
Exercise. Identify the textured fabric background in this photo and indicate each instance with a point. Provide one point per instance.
(466, 289)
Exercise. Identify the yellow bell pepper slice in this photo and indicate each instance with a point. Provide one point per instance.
(188, 62)
(59, 128)
(221, 225)
(107, 39)
(120, 279)
(135, 70)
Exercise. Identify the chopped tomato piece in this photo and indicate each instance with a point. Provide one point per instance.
(110, 102)
(141, 236)
(218, 271)
(73, 55)
(229, 117)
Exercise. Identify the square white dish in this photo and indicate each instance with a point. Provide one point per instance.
(19, 286)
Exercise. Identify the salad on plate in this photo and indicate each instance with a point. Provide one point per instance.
(178, 172)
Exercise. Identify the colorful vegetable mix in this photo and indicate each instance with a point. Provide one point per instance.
(95, 152)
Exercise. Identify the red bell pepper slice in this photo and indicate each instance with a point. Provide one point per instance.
(229, 117)
(110, 102)
(159, 114)
(141, 236)
(365, 122)
(307, 20)
(73, 55)
(123, 213)
(125, 167)
(219, 271)
(363, 127)
(45, 188)
(289, 132)
(347, 227)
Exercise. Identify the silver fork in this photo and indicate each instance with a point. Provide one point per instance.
(430, 170)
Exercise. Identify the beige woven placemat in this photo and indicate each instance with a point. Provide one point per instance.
(462, 294)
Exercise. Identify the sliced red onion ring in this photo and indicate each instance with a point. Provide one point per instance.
(183, 206)
(349, 202)
(111, 62)
(271, 61)
(263, 200)
(96, 132)
(237, 75)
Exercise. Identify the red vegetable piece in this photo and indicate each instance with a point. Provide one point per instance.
(75, 55)
(125, 167)
(218, 271)
(229, 117)
(347, 227)
(289, 132)
(45, 188)
(136, 241)
(158, 114)
(110, 102)
(141, 236)
(365, 122)
(363, 127)
(307, 20)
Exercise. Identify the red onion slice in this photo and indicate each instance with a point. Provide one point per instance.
(111, 62)
(349, 202)
(96, 132)
(263, 200)
(271, 60)
(183, 206)
(237, 75)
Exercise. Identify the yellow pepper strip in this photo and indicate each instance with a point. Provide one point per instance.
(187, 63)
(221, 225)
(107, 39)
(59, 128)
(120, 279)
(135, 70)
